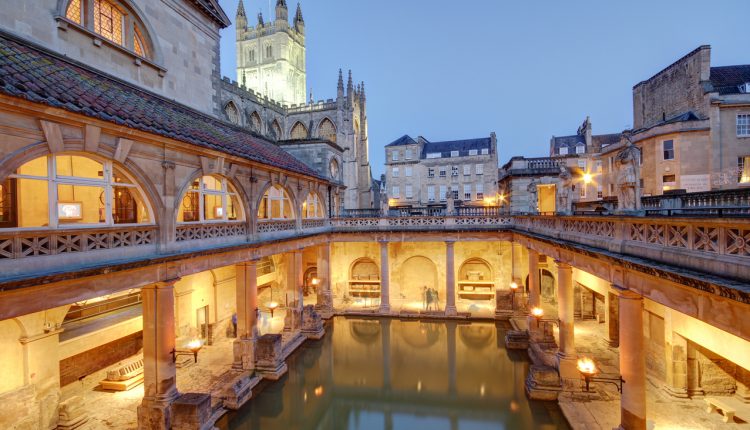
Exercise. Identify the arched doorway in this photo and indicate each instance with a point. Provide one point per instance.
(547, 287)
(417, 275)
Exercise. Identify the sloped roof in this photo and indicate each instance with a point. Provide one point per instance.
(214, 11)
(403, 140)
(568, 141)
(727, 79)
(462, 146)
(600, 140)
(32, 73)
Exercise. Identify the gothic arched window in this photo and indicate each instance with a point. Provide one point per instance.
(233, 114)
(112, 20)
(255, 121)
(299, 131)
(327, 130)
(71, 190)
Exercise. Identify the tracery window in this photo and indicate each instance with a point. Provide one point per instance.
(312, 207)
(210, 199)
(255, 121)
(64, 190)
(276, 128)
(299, 131)
(233, 115)
(327, 130)
(110, 20)
(276, 205)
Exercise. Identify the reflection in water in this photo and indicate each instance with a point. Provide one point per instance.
(391, 374)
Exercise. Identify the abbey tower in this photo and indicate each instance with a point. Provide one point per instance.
(271, 56)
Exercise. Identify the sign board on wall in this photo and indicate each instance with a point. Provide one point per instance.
(695, 183)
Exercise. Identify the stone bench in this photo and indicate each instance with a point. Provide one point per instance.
(125, 377)
(730, 407)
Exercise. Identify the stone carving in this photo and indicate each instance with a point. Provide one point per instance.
(564, 190)
(628, 184)
(533, 197)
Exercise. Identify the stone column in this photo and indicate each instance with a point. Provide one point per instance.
(632, 362)
(566, 356)
(159, 370)
(675, 359)
(613, 321)
(385, 278)
(325, 300)
(247, 315)
(534, 293)
(299, 281)
(450, 279)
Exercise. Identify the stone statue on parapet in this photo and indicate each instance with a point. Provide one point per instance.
(533, 197)
(628, 187)
(564, 190)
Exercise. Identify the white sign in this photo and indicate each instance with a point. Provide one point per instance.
(695, 183)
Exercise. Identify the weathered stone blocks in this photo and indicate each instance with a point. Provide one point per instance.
(192, 411)
(312, 323)
(268, 357)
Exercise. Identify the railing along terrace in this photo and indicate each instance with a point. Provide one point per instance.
(711, 203)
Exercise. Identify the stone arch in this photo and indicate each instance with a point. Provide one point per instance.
(298, 132)
(276, 130)
(232, 113)
(415, 274)
(254, 122)
(147, 31)
(321, 202)
(242, 198)
(327, 130)
(364, 266)
(475, 267)
(291, 195)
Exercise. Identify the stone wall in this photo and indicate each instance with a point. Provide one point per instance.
(86, 363)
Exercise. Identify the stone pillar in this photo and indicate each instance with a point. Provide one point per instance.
(566, 356)
(534, 293)
(247, 315)
(325, 299)
(159, 371)
(450, 279)
(675, 358)
(611, 311)
(632, 362)
(385, 278)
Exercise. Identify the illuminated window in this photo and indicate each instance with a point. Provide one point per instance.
(108, 21)
(75, 12)
(276, 205)
(480, 191)
(312, 207)
(743, 170)
(233, 114)
(210, 199)
(138, 42)
(327, 130)
(299, 131)
(743, 125)
(61, 190)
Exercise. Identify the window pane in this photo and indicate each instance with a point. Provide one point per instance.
(276, 209)
(74, 11)
(80, 204)
(128, 207)
(211, 183)
(213, 209)
(233, 208)
(35, 167)
(189, 208)
(79, 167)
(33, 204)
(288, 212)
(8, 216)
(108, 21)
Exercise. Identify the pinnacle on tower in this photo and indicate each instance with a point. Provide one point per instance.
(241, 9)
(260, 19)
(241, 20)
(298, 15)
(282, 13)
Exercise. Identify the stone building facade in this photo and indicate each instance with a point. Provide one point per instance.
(421, 173)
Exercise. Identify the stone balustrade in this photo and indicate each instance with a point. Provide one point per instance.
(210, 231)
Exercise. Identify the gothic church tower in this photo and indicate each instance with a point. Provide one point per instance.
(271, 56)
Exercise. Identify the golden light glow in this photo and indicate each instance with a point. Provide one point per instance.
(513, 286)
(392, 202)
(489, 201)
(318, 391)
(537, 312)
(315, 281)
(195, 345)
(586, 366)
(587, 178)
(273, 305)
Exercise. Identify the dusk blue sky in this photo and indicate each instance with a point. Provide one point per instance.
(524, 69)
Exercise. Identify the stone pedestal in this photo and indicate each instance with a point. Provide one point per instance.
(192, 411)
(244, 354)
(268, 357)
(312, 323)
(632, 362)
(237, 389)
(517, 339)
(450, 279)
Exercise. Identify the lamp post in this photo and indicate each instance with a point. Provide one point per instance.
(588, 371)
(192, 348)
(272, 306)
(513, 289)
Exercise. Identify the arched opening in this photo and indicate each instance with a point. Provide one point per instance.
(326, 130)
(210, 198)
(308, 286)
(70, 189)
(232, 113)
(276, 204)
(115, 21)
(419, 284)
(364, 282)
(312, 207)
(275, 130)
(475, 281)
(299, 132)
(255, 122)
(333, 168)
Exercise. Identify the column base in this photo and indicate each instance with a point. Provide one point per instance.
(543, 383)
(517, 339)
(630, 421)
(244, 354)
(192, 411)
(450, 311)
(155, 415)
(679, 393)
(384, 309)
(237, 389)
(569, 374)
(269, 361)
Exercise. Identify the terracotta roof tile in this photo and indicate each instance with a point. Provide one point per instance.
(29, 72)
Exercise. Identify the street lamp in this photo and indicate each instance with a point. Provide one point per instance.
(587, 178)
(537, 313)
(513, 289)
(272, 306)
(588, 370)
(192, 348)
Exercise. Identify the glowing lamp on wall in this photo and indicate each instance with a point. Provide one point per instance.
(69, 210)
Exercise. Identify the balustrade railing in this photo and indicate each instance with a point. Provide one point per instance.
(187, 232)
(276, 226)
(313, 223)
(21, 244)
(478, 211)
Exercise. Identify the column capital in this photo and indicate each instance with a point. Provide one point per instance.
(169, 283)
(252, 262)
(562, 265)
(450, 242)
